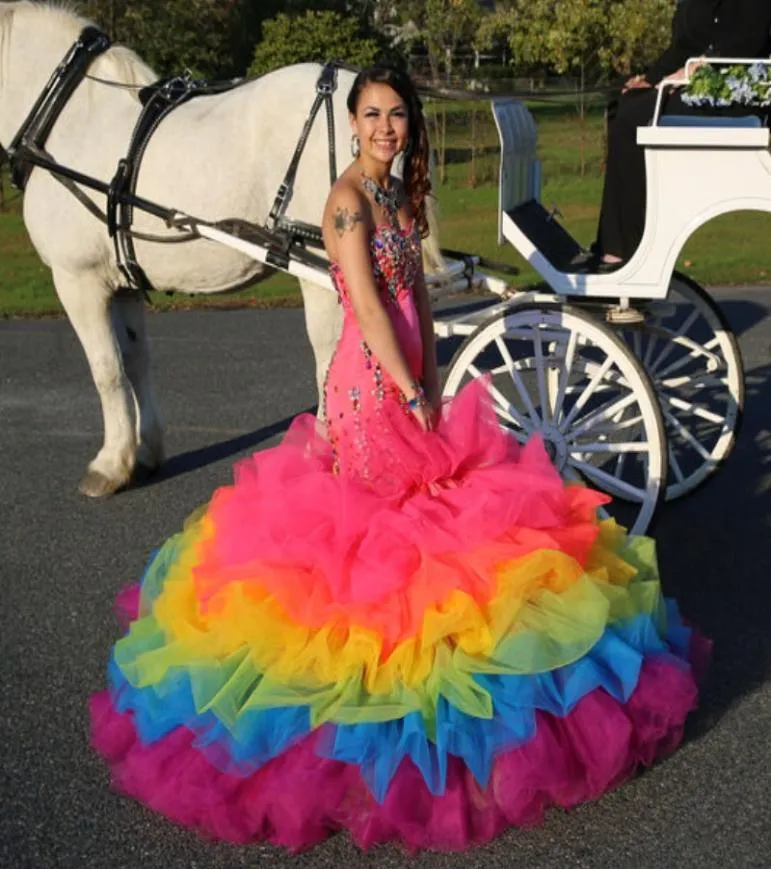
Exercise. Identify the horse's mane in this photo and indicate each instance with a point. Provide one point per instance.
(118, 64)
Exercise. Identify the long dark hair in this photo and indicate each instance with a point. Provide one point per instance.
(416, 172)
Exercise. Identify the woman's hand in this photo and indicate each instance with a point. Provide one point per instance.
(421, 407)
(424, 415)
(636, 82)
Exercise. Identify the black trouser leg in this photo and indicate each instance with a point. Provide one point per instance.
(622, 216)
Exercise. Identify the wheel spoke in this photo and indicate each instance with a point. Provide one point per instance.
(599, 415)
(683, 432)
(704, 381)
(674, 464)
(697, 352)
(607, 481)
(588, 392)
(649, 350)
(613, 447)
(504, 407)
(564, 376)
(669, 347)
(540, 374)
(517, 381)
(693, 409)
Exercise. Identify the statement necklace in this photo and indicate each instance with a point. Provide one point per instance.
(390, 200)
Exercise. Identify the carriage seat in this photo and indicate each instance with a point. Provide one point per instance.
(709, 121)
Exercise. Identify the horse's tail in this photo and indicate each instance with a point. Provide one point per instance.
(433, 261)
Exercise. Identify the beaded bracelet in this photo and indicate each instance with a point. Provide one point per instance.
(417, 400)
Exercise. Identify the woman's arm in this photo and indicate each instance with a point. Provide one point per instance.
(347, 218)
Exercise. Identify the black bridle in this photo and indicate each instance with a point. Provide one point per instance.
(33, 133)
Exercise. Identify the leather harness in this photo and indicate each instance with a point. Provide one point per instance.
(27, 150)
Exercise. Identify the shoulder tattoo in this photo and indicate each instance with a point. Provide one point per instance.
(344, 221)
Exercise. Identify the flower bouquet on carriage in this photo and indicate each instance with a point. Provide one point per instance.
(731, 86)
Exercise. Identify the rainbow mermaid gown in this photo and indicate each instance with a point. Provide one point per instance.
(420, 637)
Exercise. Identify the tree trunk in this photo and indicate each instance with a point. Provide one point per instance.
(582, 119)
(472, 176)
(440, 140)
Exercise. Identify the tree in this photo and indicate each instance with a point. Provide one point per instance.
(214, 38)
(589, 39)
(312, 36)
(639, 31)
(449, 24)
(181, 34)
(441, 26)
(172, 36)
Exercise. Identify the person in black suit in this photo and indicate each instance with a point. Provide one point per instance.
(717, 28)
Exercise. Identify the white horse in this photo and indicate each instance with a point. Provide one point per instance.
(214, 157)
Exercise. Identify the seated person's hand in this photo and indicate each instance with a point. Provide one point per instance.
(635, 83)
(679, 75)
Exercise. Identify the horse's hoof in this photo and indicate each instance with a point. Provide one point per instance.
(95, 485)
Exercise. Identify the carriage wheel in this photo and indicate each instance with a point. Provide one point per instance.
(600, 421)
(693, 359)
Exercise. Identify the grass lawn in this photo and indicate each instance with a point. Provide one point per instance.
(729, 250)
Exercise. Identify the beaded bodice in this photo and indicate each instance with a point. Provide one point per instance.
(396, 262)
(359, 394)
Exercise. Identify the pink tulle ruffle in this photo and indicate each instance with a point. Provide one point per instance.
(299, 798)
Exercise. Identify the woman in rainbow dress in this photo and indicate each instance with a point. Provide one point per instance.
(400, 622)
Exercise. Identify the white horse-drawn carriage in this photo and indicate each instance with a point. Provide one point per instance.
(633, 379)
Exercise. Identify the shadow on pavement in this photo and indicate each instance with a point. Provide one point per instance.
(715, 555)
(194, 460)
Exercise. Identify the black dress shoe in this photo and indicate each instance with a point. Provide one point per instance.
(591, 263)
(606, 268)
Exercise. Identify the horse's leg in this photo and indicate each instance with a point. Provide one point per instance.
(86, 299)
(323, 322)
(128, 310)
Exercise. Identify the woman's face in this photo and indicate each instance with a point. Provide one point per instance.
(381, 122)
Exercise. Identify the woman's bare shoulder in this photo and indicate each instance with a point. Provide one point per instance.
(347, 210)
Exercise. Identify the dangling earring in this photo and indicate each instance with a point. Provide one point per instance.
(355, 146)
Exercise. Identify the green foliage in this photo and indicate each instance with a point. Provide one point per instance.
(638, 31)
(213, 38)
(440, 26)
(180, 34)
(448, 24)
(592, 39)
(172, 36)
(312, 36)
